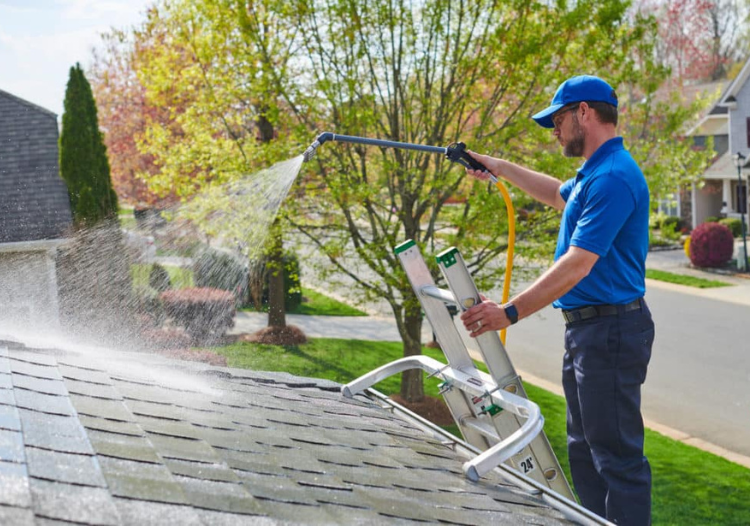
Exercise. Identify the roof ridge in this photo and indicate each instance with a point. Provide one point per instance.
(25, 102)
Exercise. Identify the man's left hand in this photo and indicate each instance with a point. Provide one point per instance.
(483, 317)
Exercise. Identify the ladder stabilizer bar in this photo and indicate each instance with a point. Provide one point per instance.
(497, 454)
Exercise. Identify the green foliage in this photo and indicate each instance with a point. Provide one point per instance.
(83, 157)
(180, 278)
(430, 73)
(734, 224)
(260, 270)
(158, 278)
(671, 224)
(221, 270)
(711, 219)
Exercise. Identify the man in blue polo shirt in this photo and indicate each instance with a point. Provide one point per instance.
(598, 281)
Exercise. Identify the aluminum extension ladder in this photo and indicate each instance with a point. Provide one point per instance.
(492, 411)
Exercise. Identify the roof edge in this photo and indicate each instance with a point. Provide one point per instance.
(40, 245)
(735, 86)
(27, 103)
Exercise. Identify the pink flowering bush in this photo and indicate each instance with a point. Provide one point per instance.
(711, 245)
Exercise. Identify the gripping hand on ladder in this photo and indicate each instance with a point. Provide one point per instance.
(491, 410)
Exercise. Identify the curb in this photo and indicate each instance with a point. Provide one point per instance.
(667, 431)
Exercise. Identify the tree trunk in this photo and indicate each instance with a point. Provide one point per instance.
(412, 385)
(276, 308)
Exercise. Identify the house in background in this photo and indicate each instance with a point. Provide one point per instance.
(34, 212)
(723, 193)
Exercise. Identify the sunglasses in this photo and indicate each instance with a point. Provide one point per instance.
(558, 118)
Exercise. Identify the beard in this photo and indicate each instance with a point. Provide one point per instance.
(574, 147)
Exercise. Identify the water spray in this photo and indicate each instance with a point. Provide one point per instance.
(456, 153)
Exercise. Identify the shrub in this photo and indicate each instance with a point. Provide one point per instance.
(205, 313)
(258, 282)
(671, 224)
(711, 245)
(711, 219)
(734, 224)
(221, 270)
(158, 278)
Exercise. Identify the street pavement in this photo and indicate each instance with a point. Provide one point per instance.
(697, 390)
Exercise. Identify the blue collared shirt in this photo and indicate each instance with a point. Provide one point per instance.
(606, 212)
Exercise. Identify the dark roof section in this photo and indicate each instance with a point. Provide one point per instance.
(34, 201)
(137, 439)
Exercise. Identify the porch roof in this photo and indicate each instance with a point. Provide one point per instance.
(722, 168)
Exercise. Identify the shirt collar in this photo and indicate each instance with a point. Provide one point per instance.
(611, 146)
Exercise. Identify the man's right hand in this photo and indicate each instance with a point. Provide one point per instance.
(487, 161)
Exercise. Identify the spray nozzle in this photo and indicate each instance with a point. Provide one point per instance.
(320, 139)
(456, 152)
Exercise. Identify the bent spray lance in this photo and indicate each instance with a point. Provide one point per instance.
(455, 152)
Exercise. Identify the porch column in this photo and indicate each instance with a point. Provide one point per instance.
(726, 193)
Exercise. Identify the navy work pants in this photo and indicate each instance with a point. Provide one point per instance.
(604, 366)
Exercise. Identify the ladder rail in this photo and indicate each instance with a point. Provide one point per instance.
(493, 456)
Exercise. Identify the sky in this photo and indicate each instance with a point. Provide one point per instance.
(41, 39)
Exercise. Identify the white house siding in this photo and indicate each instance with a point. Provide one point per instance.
(28, 286)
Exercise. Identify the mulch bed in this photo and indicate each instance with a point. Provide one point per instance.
(289, 335)
(433, 409)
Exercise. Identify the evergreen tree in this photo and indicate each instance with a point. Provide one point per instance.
(83, 156)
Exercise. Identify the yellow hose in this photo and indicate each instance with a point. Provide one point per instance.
(511, 242)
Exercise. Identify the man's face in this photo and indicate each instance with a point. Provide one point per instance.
(569, 131)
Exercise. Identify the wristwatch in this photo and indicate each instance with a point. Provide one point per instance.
(511, 312)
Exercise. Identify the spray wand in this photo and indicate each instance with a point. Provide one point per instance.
(456, 153)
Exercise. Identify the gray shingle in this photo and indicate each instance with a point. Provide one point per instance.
(11, 446)
(82, 470)
(14, 485)
(230, 449)
(73, 503)
(34, 201)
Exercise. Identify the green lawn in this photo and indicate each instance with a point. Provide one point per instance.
(180, 277)
(321, 305)
(691, 487)
(690, 281)
(316, 304)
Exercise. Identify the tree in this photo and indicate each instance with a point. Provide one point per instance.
(430, 72)
(697, 39)
(123, 113)
(435, 72)
(216, 66)
(83, 157)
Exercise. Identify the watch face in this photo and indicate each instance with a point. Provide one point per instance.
(511, 313)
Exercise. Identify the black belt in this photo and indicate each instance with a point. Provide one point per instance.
(594, 311)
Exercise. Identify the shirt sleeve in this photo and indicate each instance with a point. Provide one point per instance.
(608, 204)
(566, 188)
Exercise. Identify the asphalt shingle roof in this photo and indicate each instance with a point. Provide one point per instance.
(34, 201)
(112, 438)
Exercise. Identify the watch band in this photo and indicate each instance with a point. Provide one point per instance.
(511, 312)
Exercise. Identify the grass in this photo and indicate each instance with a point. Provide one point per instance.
(680, 279)
(321, 305)
(690, 486)
(318, 304)
(180, 277)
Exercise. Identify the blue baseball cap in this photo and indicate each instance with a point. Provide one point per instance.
(577, 89)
